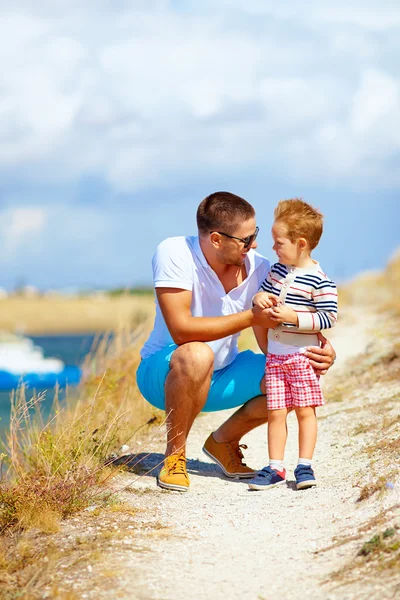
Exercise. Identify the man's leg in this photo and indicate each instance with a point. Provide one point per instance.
(186, 389)
(177, 379)
(247, 417)
(224, 449)
(239, 384)
(223, 444)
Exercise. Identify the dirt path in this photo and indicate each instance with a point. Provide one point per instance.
(225, 542)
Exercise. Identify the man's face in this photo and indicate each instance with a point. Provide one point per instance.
(233, 251)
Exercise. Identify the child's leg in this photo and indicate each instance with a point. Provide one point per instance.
(307, 420)
(277, 434)
(274, 474)
(307, 395)
(304, 473)
(275, 384)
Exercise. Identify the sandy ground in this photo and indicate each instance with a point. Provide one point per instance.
(225, 542)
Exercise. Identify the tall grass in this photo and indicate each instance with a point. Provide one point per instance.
(54, 467)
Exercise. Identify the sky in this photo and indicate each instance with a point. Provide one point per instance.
(118, 117)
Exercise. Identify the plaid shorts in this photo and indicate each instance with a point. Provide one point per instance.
(291, 381)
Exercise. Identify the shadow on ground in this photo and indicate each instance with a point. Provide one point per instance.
(150, 464)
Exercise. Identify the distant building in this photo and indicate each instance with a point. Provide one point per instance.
(29, 291)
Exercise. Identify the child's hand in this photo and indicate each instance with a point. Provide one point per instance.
(265, 300)
(284, 314)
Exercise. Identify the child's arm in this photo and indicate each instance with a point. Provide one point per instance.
(261, 334)
(325, 317)
(325, 299)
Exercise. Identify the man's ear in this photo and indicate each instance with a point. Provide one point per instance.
(215, 239)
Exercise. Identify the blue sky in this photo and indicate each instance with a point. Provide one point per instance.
(117, 118)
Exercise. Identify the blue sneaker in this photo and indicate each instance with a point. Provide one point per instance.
(304, 477)
(267, 478)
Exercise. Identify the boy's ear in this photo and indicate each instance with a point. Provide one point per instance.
(302, 242)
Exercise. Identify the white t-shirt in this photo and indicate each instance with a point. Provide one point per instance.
(180, 263)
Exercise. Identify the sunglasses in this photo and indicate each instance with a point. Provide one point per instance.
(247, 241)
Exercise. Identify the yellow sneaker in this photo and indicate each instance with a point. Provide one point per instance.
(173, 475)
(229, 456)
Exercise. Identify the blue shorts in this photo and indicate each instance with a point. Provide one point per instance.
(230, 387)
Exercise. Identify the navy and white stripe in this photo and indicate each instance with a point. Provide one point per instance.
(309, 292)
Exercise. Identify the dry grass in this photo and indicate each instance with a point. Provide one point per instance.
(378, 484)
(377, 553)
(380, 364)
(65, 564)
(58, 314)
(56, 468)
(370, 382)
(392, 274)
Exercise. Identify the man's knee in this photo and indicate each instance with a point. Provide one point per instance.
(194, 358)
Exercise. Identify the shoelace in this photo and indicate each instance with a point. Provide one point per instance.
(239, 454)
(178, 467)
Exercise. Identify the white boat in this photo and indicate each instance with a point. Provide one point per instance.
(22, 361)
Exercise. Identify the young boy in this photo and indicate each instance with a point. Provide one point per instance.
(302, 300)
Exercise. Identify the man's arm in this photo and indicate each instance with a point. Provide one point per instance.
(175, 305)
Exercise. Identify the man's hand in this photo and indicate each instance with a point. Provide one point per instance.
(321, 358)
(283, 314)
(262, 318)
(265, 300)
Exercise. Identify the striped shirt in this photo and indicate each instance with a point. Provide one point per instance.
(311, 294)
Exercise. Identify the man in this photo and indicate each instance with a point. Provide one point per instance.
(191, 363)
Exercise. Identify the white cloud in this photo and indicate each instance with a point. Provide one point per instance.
(140, 92)
(20, 227)
(367, 14)
(377, 100)
(358, 145)
(56, 245)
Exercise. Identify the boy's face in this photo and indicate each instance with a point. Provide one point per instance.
(288, 252)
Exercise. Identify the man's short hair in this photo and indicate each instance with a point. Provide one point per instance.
(223, 211)
(301, 220)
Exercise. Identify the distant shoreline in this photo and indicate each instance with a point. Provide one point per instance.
(59, 315)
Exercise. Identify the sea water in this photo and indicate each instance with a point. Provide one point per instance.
(71, 349)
